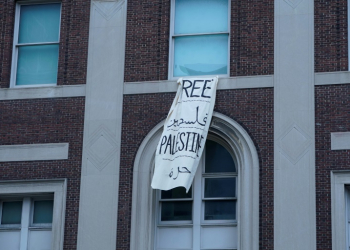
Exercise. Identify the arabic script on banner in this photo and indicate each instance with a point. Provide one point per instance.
(185, 131)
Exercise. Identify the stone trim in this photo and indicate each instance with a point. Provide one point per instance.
(242, 82)
(34, 152)
(42, 92)
(340, 141)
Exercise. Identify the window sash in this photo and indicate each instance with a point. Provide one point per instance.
(173, 36)
(17, 45)
(198, 199)
(200, 16)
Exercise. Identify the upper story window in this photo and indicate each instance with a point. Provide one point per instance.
(36, 44)
(205, 217)
(199, 38)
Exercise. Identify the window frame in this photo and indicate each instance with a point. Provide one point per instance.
(9, 226)
(16, 44)
(33, 225)
(170, 223)
(340, 180)
(198, 199)
(172, 42)
(205, 175)
(144, 197)
(31, 190)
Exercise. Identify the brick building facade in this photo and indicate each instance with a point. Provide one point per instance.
(82, 146)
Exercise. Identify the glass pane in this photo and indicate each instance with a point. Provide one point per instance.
(200, 55)
(39, 23)
(201, 16)
(11, 212)
(177, 193)
(37, 64)
(43, 211)
(218, 159)
(176, 210)
(220, 210)
(220, 187)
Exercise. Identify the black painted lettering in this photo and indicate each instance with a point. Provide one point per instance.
(186, 87)
(168, 144)
(183, 145)
(177, 142)
(173, 145)
(204, 88)
(194, 87)
(188, 136)
(162, 143)
(193, 141)
(199, 142)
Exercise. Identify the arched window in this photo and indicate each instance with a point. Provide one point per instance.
(206, 216)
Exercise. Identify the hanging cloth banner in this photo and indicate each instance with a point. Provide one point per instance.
(185, 132)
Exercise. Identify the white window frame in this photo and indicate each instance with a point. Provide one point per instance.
(16, 45)
(172, 42)
(144, 197)
(198, 199)
(169, 223)
(41, 188)
(339, 182)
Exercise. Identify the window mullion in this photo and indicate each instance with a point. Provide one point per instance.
(25, 221)
(34, 44)
(197, 204)
(201, 34)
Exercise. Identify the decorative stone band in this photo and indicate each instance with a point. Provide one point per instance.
(340, 141)
(34, 152)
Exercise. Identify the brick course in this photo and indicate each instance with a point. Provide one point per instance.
(74, 32)
(332, 115)
(331, 35)
(47, 121)
(147, 39)
(252, 108)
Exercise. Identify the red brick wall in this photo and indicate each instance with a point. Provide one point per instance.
(73, 41)
(332, 115)
(147, 35)
(147, 39)
(7, 13)
(253, 109)
(252, 32)
(47, 121)
(331, 35)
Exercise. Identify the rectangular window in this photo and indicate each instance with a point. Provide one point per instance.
(32, 214)
(36, 44)
(28, 218)
(199, 38)
(340, 201)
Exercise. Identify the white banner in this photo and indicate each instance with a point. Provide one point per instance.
(185, 132)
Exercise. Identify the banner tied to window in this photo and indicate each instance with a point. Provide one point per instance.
(185, 132)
